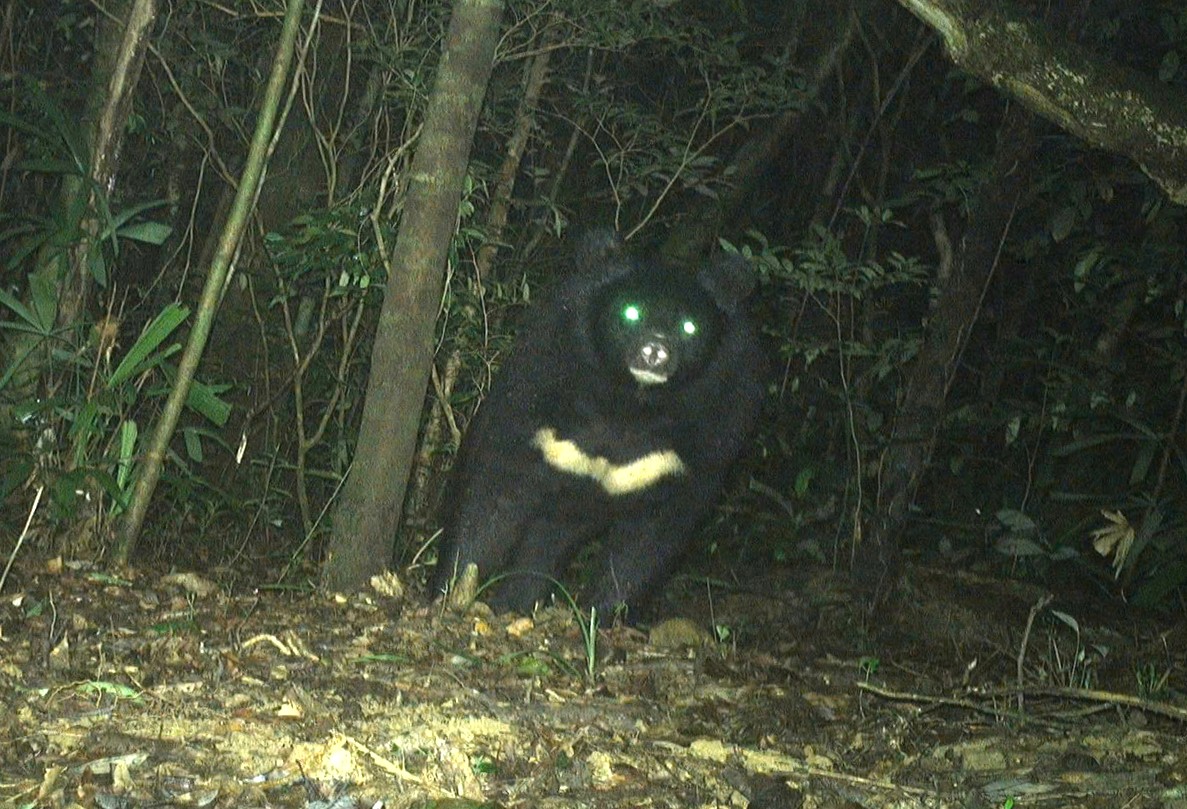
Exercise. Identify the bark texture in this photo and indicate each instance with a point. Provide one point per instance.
(368, 513)
(116, 79)
(956, 310)
(1103, 103)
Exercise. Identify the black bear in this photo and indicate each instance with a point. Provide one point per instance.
(627, 397)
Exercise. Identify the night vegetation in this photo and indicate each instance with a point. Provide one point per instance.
(969, 222)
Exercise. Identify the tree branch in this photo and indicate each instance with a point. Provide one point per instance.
(1105, 104)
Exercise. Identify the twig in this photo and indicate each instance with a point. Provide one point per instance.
(1079, 694)
(1039, 606)
(953, 702)
(387, 765)
(21, 539)
(1107, 698)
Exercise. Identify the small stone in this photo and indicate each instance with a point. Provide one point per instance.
(679, 633)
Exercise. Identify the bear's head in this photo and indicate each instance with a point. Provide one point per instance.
(659, 325)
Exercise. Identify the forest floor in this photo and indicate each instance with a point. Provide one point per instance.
(179, 690)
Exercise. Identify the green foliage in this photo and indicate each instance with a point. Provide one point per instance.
(1152, 680)
(1097, 421)
(1065, 403)
(869, 666)
(83, 441)
(327, 264)
(587, 622)
(334, 248)
(589, 632)
(73, 421)
(945, 184)
(855, 348)
(648, 151)
(1073, 664)
(1018, 538)
(824, 271)
(85, 219)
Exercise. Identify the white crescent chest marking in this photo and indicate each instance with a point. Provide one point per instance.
(566, 456)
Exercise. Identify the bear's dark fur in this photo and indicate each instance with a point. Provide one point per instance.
(627, 397)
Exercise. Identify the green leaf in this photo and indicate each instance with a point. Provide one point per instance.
(146, 232)
(532, 666)
(117, 222)
(109, 688)
(1071, 622)
(38, 234)
(383, 658)
(1161, 586)
(43, 294)
(48, 165)
(203, 399)
(1018, 545)
(1169, 66)
(97, 265)
(1016, 521)
(1086, 263)
(1092, 441)
(803, 480)
(62, 127)
(109, 485)
(193, 445)
(87, 425)
(156, 333)
(1141, 463)
(20, 310)
(23, 125)
(129, 432)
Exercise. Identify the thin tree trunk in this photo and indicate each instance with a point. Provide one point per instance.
(929, 379)
(120, 44)
(149, 472)
(368, 513)
(426, 467)
(106, 142)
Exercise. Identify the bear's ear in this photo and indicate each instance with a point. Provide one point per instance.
(729, 278)
(596, 248)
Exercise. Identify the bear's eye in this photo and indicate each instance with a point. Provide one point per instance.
(689, 327)
(632, 313)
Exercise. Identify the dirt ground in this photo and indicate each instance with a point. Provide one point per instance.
(181, 690)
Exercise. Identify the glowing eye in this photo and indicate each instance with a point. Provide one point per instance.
(689, 327)
(632, 314)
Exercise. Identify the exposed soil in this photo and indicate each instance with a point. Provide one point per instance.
(168, 690)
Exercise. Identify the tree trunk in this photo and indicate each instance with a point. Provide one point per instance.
(1104, 104)
(957, 306)
(65, 263)
(427, 468)
(116, 76)
(153, 460)
(368, 513)
(750, 164)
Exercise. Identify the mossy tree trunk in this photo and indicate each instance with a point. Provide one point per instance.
(427, 468)
(368, 512)
(1105, 104)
